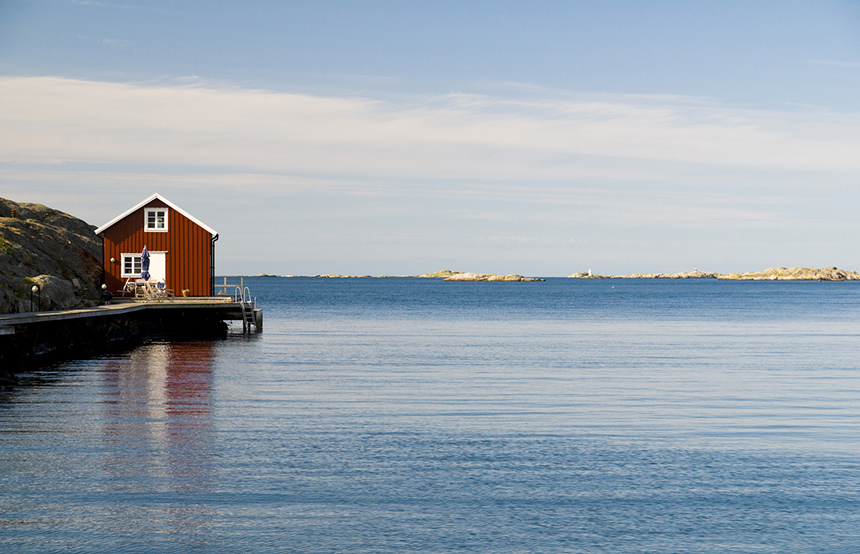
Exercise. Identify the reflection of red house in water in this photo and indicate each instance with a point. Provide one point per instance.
(182, 248)
(158, 407)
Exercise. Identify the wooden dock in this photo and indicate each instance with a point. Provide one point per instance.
(219, 306)
(36, 335)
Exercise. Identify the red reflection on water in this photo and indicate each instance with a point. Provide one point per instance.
(189, 418)
(158, 425)
(160, 389)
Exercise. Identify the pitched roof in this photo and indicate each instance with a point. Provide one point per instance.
(170, 204)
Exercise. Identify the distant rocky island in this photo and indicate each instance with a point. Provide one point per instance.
(448, 275)
(339, 276)
(445, 275)
(772, 274)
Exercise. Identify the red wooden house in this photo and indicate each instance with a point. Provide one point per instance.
(181, 247)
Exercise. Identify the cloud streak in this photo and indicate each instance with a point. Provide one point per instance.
(531, 181)
(55, 120)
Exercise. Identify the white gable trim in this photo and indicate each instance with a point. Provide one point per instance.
(155, 196)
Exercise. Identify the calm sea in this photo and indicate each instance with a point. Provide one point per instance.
(404, 415)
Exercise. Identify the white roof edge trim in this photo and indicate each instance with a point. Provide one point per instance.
(156, 196)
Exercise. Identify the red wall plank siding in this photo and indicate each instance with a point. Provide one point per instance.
(188, 248)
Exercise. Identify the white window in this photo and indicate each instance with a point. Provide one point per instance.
(131, 265)
(155, 219)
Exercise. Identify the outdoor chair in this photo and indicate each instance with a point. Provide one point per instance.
(156, 291)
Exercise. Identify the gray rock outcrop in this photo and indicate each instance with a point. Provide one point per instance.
(45, 247)
(441, 274)
(794, 274)
(489, 277)
(772, 274)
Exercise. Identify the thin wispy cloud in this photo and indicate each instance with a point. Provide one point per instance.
(504, 181)
(836, 63)
(54, 120)
(115, 42)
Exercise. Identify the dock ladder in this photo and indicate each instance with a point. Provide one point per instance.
(248, 317)
(242, 296)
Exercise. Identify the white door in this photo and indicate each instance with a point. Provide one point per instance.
(158, 266)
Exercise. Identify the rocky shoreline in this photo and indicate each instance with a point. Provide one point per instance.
(831, 273)
(490, 277)
(445, 275)
(773, 274)
(50, 249)
(448, 275)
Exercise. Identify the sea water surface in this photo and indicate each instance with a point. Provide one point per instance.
(408, 415)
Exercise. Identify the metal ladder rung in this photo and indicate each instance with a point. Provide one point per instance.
(248, 318)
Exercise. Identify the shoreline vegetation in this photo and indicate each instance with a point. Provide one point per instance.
(831, 273)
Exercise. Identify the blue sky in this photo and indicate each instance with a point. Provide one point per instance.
(386, 137)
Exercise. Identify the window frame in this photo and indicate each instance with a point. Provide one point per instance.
(134, 257)
(155, 228)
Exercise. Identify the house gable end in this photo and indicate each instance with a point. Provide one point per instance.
(156, 200)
